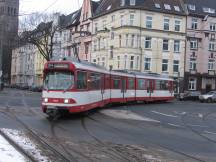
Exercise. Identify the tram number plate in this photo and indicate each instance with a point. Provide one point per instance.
(51, 107)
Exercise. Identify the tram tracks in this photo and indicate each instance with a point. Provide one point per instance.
(59, 155)
(150, 141)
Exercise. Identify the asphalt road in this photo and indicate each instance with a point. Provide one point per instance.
(175, 131)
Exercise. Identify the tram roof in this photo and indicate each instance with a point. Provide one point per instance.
(97, 68)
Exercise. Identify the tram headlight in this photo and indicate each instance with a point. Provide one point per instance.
(66, 101)
(45, 99)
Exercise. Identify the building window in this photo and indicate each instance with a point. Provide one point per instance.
(193, 44)
(211, 46)
(137, 62)
(122, 2)
(147, 64)
(148, 42)
(113, 18)
(164, 65)
(191, 7)
(103, 61)
(192, 64)
(177, 25)
(194, 23)
(157, 5)
(208, 10)
(96, 27)
(86, 48)
(125, 62)
(132, 2)
(95, 45)
(175, 66)
(131, 19)
(176, 46)
(132, 40)
(192, 84)
(120, 40)
(118, 62)
(165, 45)
(148, 22)
(211, 65)
(122, 20)
(112, 35)
(213, 27)
(177, 8)
(132, 62)
(126, 40)
(104, 24)
(167, 7)
(111, 52)
(166, 23)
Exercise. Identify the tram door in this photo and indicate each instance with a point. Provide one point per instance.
(150, 88)
(123, 88)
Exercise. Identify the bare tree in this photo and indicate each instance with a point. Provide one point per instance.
(42, 35)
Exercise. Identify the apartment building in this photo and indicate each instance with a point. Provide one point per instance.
(200, 68)
(147, 36)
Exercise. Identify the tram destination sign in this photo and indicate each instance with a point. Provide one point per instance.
(58, 66)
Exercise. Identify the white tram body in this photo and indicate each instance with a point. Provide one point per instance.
(79, 86)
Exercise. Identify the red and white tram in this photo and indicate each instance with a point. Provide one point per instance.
(79, 86)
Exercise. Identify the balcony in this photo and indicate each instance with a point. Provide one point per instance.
(211, 72)
(193, 71)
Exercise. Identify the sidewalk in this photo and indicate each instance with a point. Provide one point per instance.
(9, 153)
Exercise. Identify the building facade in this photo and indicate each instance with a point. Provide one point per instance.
(147, 36)
(27, 66)
(8, 33)
(200, 68)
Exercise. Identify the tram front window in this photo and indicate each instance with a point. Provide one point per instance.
(59, 81)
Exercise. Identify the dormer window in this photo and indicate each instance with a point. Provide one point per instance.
(191, 7)
(167, 7)
(109, 7)
(208, 10)
(177, 8)
(157, 5)
(122, 2)
(132, 2)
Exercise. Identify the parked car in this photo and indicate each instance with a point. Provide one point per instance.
(189, 95)
(209, 97)
(35, 88)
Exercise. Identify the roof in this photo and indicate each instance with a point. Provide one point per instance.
(199, 4)
(107, 6)
(94, 6)
(71, 19)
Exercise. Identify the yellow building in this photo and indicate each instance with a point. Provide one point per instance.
(39, 66)
(147, 36)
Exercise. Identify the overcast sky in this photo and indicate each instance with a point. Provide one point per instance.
(63, 6)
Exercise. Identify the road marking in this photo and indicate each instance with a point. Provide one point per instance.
(200, 115)
(210, 132)
(168, 115)
(124, 114)
(192, 125)
(175, 125)
(180, 113)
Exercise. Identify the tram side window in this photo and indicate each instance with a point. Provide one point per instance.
(116, 83)
(162, 85)
(141, 84)
(94, 81)
(81, 80)
(158, 85)
(131, 83)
